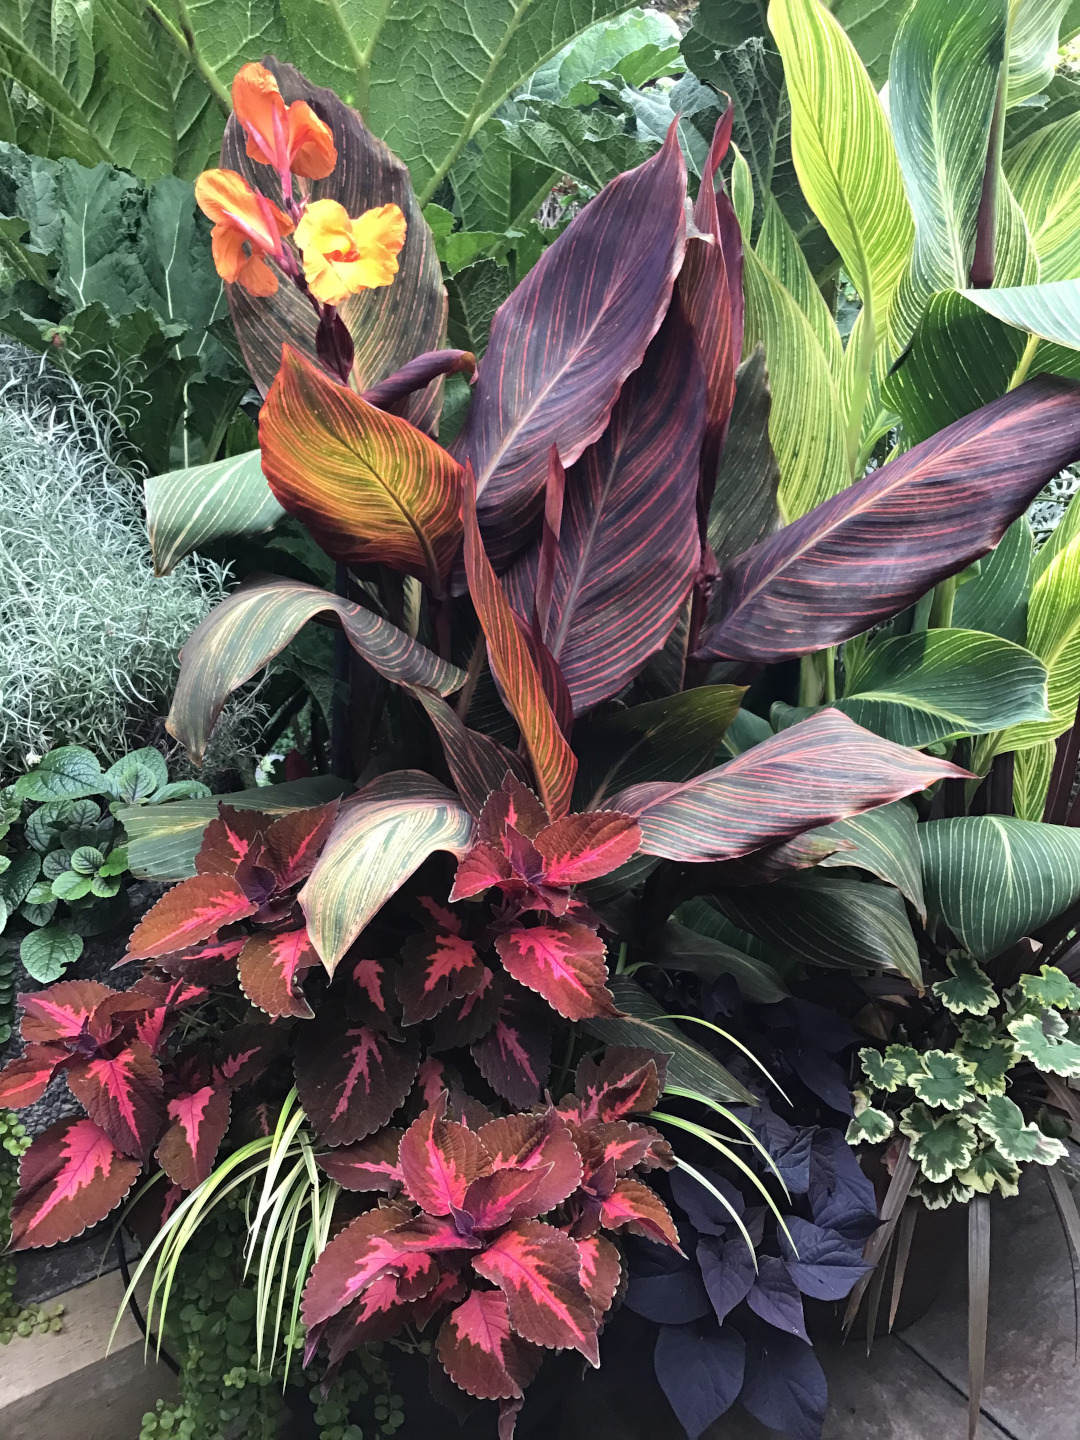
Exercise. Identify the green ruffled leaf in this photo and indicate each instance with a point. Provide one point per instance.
(943, 1080)
(137, 776)
(1052, 988)
(969, 992)
(1003, 1121)
(884, 1072)
(940, 1144)
(1044, 1042)
(87, 860)
(991, 1057)
(936, 1195)
(64, 774)
(990, 1171)
(47, 953)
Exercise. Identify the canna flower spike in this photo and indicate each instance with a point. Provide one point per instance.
(343, 255)
(247, 229)
(290, 138)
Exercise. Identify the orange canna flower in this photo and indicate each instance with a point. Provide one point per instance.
(343, 255)
(247, 228)
(290, 139)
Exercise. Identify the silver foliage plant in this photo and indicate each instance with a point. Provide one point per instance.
(90, 636)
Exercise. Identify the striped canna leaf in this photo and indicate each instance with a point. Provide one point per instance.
(630, 505)
(187, 509)
(389, 325)
(875, 548)
(382, 835)
(253, 625)
(566, 339)
(515, 670)
(369, 486)
(822, 769)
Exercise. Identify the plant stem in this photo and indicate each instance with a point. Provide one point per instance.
(809, 681)
(828, 663)
(984, 259)
(1020, 374)
(921, 619)
(183, 37)
(860, 385)
(942, 606)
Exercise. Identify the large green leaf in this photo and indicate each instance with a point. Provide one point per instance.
(1053, 631)
(943, 82)
(996, 599)
(1044, 172)
(254, 624)
(805, 424)
(993, 879)
(843, 152)
(382, 835)
(1051, 311)
(186, 509)
(605, 47)
(824, 920)
(697, 941)
(646, 1024)
(744, 504)
(778, 249)
(885, 842)
(163, 840)
(937, 685)
(1033, 47)
(1032, 769)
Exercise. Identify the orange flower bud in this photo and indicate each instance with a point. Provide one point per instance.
(290, 139)
(343, 255)
(247, 228)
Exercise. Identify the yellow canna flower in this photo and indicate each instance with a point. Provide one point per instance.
(343, 256)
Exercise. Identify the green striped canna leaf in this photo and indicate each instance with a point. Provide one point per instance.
(187, 509)
(253, 625)
(382, 835)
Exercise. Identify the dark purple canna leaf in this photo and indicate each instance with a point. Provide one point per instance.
(875, 548)
(819, 770)
(396, 391)
(628, 547)
(568, 337)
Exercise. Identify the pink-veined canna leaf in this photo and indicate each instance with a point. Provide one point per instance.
(71, 1177)
(822, 769)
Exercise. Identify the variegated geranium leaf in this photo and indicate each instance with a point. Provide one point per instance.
(1052, 988)
(943, 1080)
(969, 991)
(940, 1144)
(1002, 1120)
(1044, 1041)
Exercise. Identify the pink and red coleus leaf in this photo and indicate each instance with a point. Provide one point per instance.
(623, 1081)
(294, 842)
(481, 1353)
(371, 1164)
(586, 845)
(24, 1079)
(568, 337)
(351, 1261)
(122, 1094)
(351, 1077)
(439, 1159)
(437, 966)
(230, 838)
(631, 506)
(564, 962)
(188, 913)
(243, 1053)
(822, 769)
(493, 1200)
(270, 966)
(213, 962)
(197, 1124)
(465, 1021)
(514, 1056)
(71, 1177)
(62, 1011)
(538, 1269)
(541, 1143)
(637, 1208)
(601, 1271)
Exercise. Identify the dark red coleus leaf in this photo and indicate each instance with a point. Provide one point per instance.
(601, 1271)
(624, 1081)
(61, 1011)
(351, 1077)
(876, 547)
(538, 1269)
(541, 1143)
(585, 846)
(637, 1208)
(211, 963)
(514, 1056)
(270, 966)
(294, 841)
(69, 1179)
(242, 1054)
(197, 1124)
(481, 1353)
(567, 338)
(439, 1159)
(438, 965)
(564, 962)
(189, 912)
(352, 1260)
(229, 839)
(24, 1079)
(122, 1094)
(631, 507)
(494, 1200)
(464, 1021)
(820, 770)
(513, 805)
(372, 1164)
(370, 979)
(153, 1026)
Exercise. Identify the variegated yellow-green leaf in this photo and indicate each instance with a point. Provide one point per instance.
(381, 836)
(1044, 172)
(1033, 46)
(1051, 311)
(1031, 780)
(1053, 632)
(805, 425)
(253, 625)
(885, 843)
(968, 991)
(779, 251)
(943, 80)
(186, 509)
(742, 192)
(993, 879)
(843, 150)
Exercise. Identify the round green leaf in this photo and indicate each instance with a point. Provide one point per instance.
(87, 860)
(17, 879)
(48, 952)
(71, 886)
(137, 776)
(55, 863)
(64, 774)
